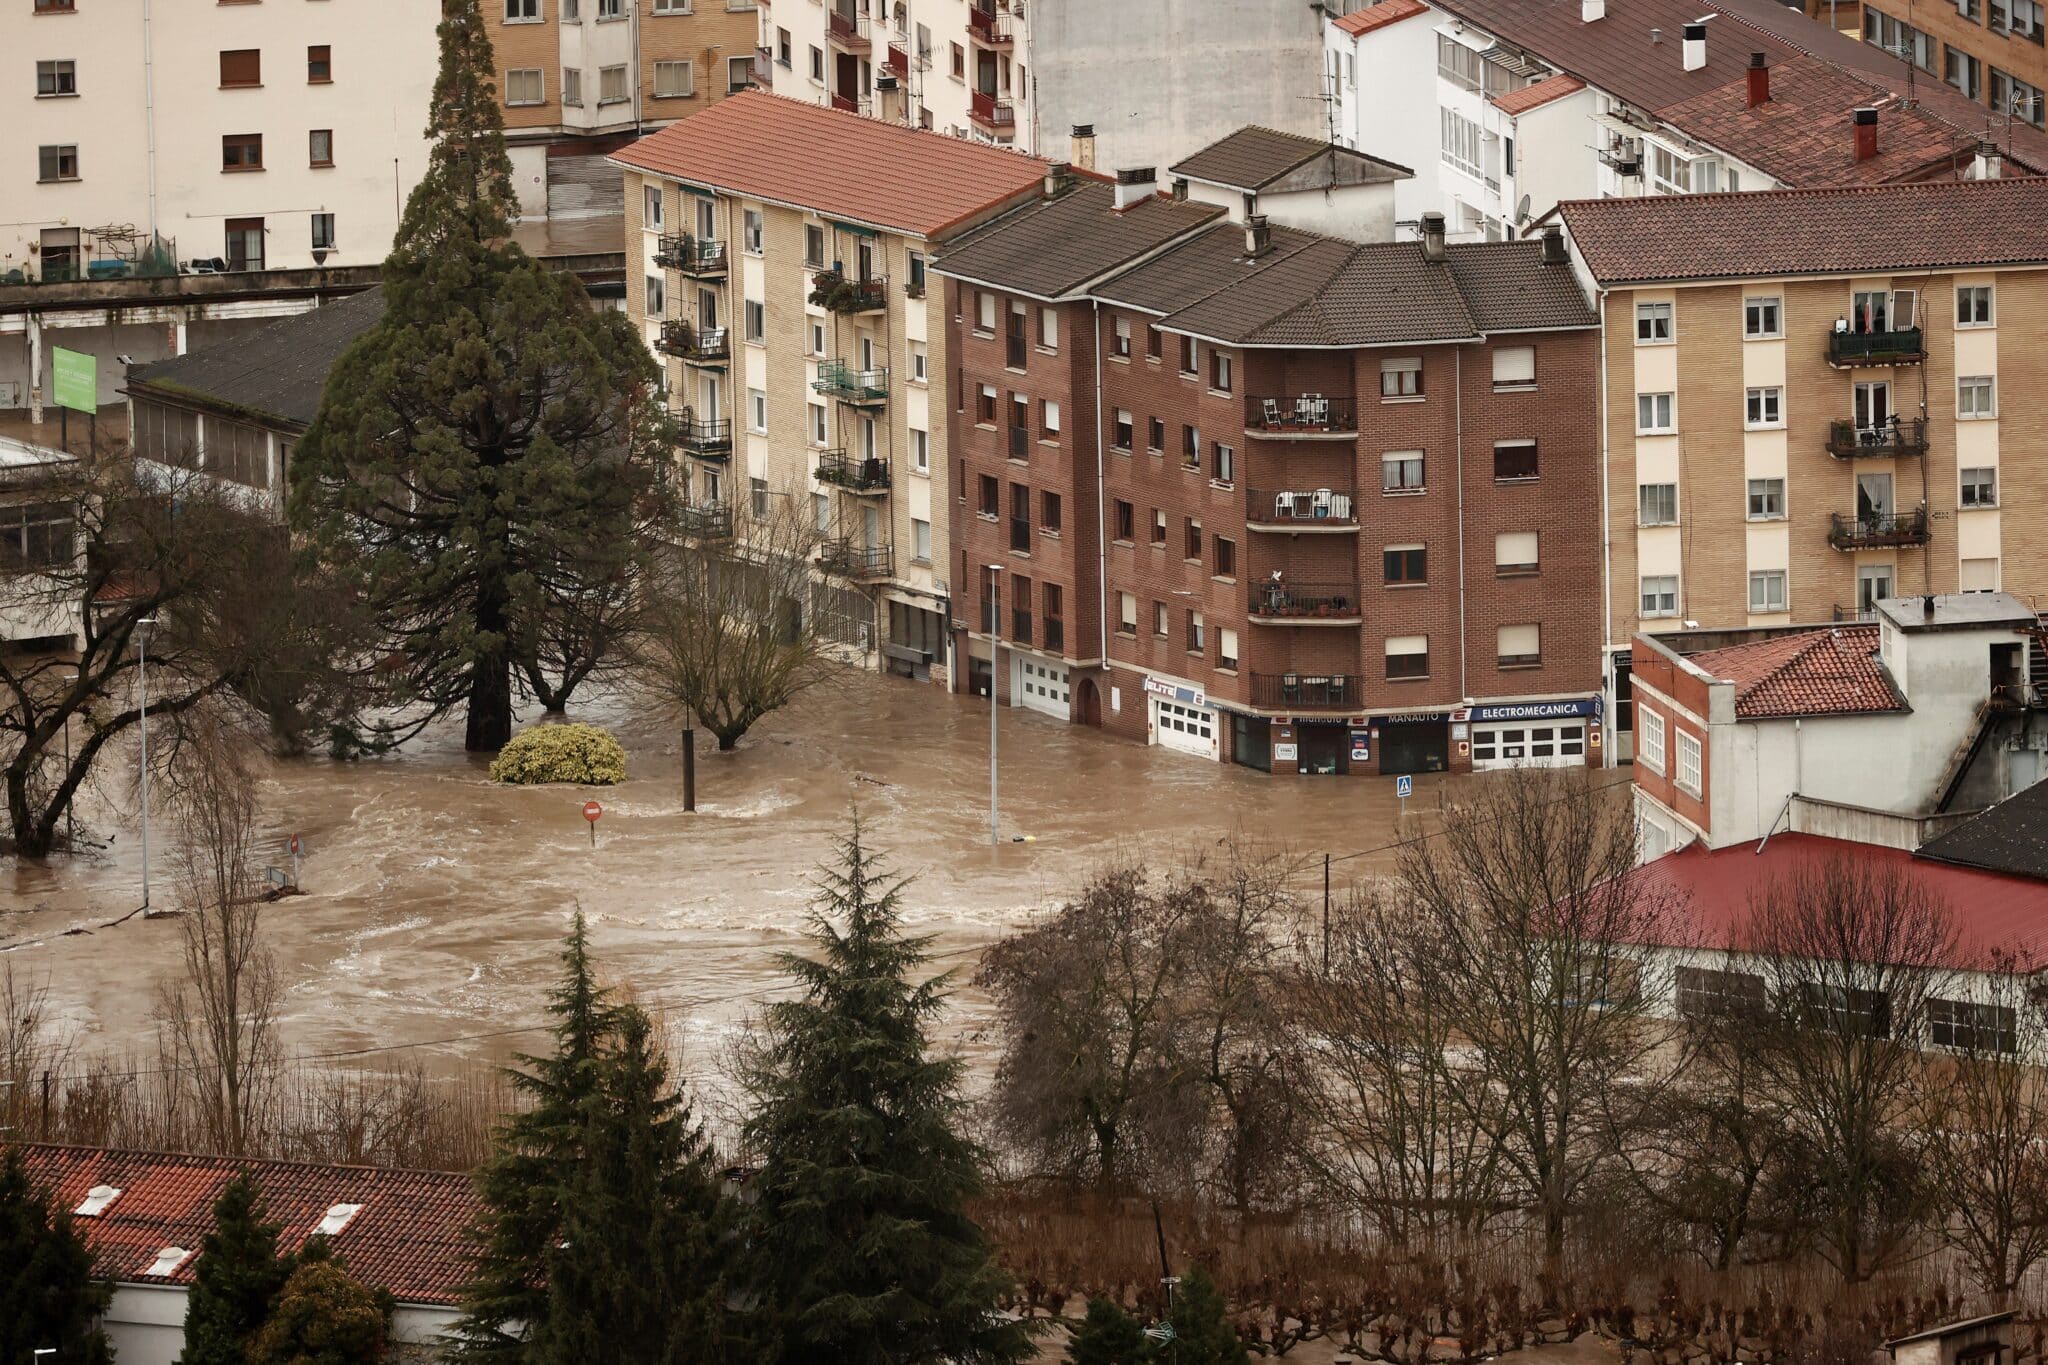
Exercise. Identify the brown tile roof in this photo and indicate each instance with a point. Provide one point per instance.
(1541, 93)
(1380, 15)
(838, 164)
(1253, 158)
(409, 1236)
(1507, 288)
(1212, 260)
(1934, 225)
(1052, 247)
(1811, 673)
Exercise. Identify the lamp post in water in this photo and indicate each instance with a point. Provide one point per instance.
(995, 657)
(142, 681)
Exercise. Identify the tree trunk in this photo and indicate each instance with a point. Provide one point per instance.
(490, 676)
(33, 838)
(728, 740)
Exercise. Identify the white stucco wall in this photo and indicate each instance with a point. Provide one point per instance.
(1390, 110)
(146, 1324)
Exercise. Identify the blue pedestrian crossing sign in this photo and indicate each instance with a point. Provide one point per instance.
(1404, 786)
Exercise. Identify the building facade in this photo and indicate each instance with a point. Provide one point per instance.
(1987, 50)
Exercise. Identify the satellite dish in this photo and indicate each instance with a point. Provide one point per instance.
(1522, 210)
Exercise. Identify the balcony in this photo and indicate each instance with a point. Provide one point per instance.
(1847, 441)
(849, 32)
(1308, 415)
(899, 61)
(862, 388)
(706, 440)
(989, 28)
(1622, 159)
(861, 563)
(1315, 510)
(1288, 603)
(1855, 350)
(831, 289)
(696, 256)
(853, 473)
(707, 521)
(764, 68)
(695, 345)
(1307, 692)
(846, 103)
(992, 115)
(1878, 532)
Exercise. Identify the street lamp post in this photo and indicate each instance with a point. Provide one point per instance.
(142, 678)
(995, 656)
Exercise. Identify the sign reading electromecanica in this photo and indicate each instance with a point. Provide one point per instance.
(1539, 710)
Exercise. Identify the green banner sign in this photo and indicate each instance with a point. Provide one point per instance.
(77, 377)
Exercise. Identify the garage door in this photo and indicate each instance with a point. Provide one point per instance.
(1184, 729)
(1545, 744)
(1042, 687)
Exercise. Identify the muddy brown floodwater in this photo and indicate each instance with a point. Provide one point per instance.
(436, 899)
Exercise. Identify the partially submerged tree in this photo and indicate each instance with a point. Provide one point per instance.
(48, 1296)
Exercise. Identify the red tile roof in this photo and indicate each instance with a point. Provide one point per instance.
(1537, 95)
(409, 1236)
(1994, 916)
(838, 164)
(1380, 15)
(1811, 673)
(1864, 229)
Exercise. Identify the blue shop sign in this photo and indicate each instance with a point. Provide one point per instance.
(1539, 710)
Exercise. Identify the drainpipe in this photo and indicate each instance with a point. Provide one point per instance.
(149, 110)
(1458, 413)
(1607, 721)
(1101, 525)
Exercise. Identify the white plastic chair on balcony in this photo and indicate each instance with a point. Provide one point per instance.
(1312, 410)
(1283, 506)
(1271, 408)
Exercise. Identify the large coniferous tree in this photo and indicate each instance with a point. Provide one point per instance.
(486, 460)
(863, 1251)
(48, 1297)
(235, 1280)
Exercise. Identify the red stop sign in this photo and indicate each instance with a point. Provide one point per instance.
(591, 810)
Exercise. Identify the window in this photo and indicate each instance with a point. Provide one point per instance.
(1514, 367)
(1049, 420)
(1198, 632)
(816, 413)
(1763, 317)
(1971, 1027)
(57, 162)
(1846, 1009)
(1461, 143)
(1224, 553)
(319, 64)
(320, 147)
(817, 338)
(1407, 657)
(1656, 413)
(1226, 649)
(1980, 487)
(1191, 540)
(757, 411)
(1155, 434)
(1899, 38)
(1976, 396)
(1977, 575)
(55, 79)
(1764, 407)
(920, 541)
(1973, 305)
(657, 297)
(611, 84)
(1404, 564)
(522, 11)
(914, 287)
(1767, 590)
(1126, 614)
(739, 74)
(756, 314)
(1653, 323)
(1650, 740)
(817, 65)
(525, 86)
(652, 211)
(821, 513)
(1766, 499)
(1126, 526)
(985, 406)
(1518, 646)
(36, 535)
(1660, 595)
(1049, 328)
(672, 80)
(1457, 63)
(1962, 71)
(920, 451)
(984, 312)
(1401, 471)
(572, 86)
(1049, 512)
(1191, 447)
(241, 67)
(1190, 356)
(1220, 371)
(1120, 338)
(991, 503)
(920, 364)
(1155, 343)
(1158, 526)
(1121, 436)
(1162, 620)
(814, 246)
(1223, 463)
(959, 62)
(1514, 459)
(572, 11)
(1515, 552)
(751, 231)
(1704, 993)
(1400, 379)
(323, 232)
(610, 9)
(241, 152)
(1657, 504)
(245, 241)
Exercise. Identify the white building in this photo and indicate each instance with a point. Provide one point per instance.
(38, 530)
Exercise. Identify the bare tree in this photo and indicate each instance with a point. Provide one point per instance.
(729, 631)
(219, 1024)
(33, 1050)
(1851, 951)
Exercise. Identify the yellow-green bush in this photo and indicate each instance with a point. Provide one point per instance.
(561, 753)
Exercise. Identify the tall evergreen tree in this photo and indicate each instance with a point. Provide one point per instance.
(486, 461)
(235, 1279)
(1109, 1336)
(539, 1149)
(48, 1297)
(1202, 1334)
(641, 1260)
(864, 1253)
(324, 1316)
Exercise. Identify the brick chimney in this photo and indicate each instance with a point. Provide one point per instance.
(1059, 178)
(1759, 80)
(1866, 134)
(1554, 252)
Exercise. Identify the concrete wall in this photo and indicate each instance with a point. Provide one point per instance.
(146, 1325)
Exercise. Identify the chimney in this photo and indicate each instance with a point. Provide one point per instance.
(1083, 151)
(1059, 178)
(1695, 47)
(1989, 163)
(1759, 80)
(1134, 185)
(1927, 607)
(1553, 246)
(1432, 236)
(1592, 11)
(1258, 235)
(1866, 134)
(1180, 189)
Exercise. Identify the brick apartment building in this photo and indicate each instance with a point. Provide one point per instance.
(1990, 50)
(1335, 508)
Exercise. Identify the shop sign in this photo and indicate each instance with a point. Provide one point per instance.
(1539, 710)
(1361, 746)
(1286, 753)
(1186, 696)
(1412, 718)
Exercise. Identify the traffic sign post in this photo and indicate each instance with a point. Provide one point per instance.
(1404, 787)
(591, 812)
(295, 847)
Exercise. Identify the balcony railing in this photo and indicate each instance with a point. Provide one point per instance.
(670, 252)
(699, 345)
(1300, 509)
(764, 68)
(701, 256)
(832, 289)
(989, 28)
(1020, 625)
(1907, 346)
(1877, 531)
(845, 102)
(848, 560)
(837, 379)
(992, 113)
(855, 473)
(1307, 692)
(899, 61)
(1843, 613)
(850, 31)
(1307, 414)
(1055, 633)
(1847, 441)
(707, 520)
(1622, 160)
(704, 438)
(1305, 603)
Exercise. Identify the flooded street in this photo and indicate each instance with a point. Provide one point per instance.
(435, 899)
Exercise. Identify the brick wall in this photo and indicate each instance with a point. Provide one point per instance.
(2017, 56)
(1680, 699)
(525, 45)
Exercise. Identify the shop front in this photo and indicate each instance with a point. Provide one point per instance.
(1413, 742)
(1320, 748)
(1537, 734)
(1181, 719)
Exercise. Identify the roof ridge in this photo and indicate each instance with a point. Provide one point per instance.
(166, 1154)
(888, 127)
(1899, 187)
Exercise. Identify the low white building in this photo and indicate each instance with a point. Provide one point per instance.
(38, 530)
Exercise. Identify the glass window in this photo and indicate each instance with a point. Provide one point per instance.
(1408, 656)
(1980, 487)
(1401, 378)
(1976, 396)
(1653, 323)
(1764, 407)
(57, 162)
(672, 80)
(1405, 564)
(1650, 740)
(1660, 595)
(1971, 1027)
(1973, 305)
(1657, 504)
(1518, 646)
(1401, 471)
(320, 147)
(1515, 552)
(751, 231)
(757, 411)
(323, 232)
(920, 451)
(1766, 499)
(1767, 590)
(920, 541)
(1514, 460)
(1656, 413)
(57, 78)
(525, 87)
(1763, 317)
(1689, 762)
(1514, 367)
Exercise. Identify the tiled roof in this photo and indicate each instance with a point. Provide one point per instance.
(837, 164)
(277, 371)
(1253, 158)
(1213, 260)
(1380, 15)
(2011, 837)
(1507, 288)
(408, 1237)
(1054, 246)
(1936, 225)
(1834, 671)
(1539, 94)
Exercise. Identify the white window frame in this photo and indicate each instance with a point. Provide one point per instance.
(1643, 493)
(1656, 324)
(1766, 579)
(666, 87)
(1644, 591)
(1968, 296)
(1514, 368)
(920, 451)
(1976, 397)
(1986, 478)
(1763, 318)
(757, 411)
(1669, 402)
(539, 79)
(610, 78)
(1763, 407)
(523, 12)
(1767, 486)
(1650, 740)
(1691, 763)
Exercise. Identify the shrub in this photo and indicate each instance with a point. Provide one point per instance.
(561, 753)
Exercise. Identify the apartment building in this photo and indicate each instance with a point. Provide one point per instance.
(580, 78)
(776, 262)
(1989, 50)
(1319, 500)
(1536, 104)
(1816, 400)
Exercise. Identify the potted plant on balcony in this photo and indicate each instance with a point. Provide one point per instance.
(831, 289)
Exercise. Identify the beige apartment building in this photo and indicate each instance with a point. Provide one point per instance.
(776, 258)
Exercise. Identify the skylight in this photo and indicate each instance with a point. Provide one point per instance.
(337, 1218)
(96, 1200)
(167, 1261)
